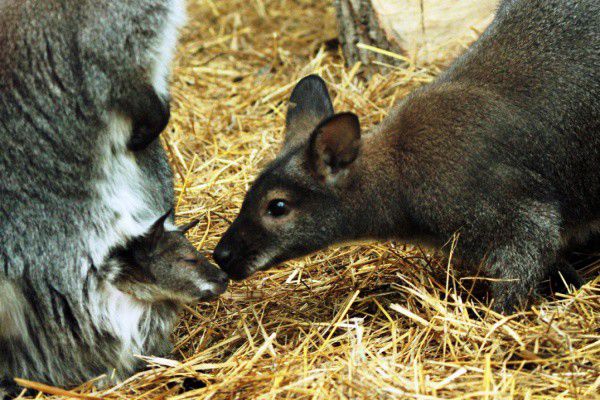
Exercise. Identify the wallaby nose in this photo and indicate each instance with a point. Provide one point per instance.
(218, 281)
(222, 255)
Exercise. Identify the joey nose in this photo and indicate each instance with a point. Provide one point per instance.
(217, 281)
(220, 280)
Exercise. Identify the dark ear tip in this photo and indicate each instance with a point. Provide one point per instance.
(168, 214)
(185, 228)
(309, 104)
(310, 83)
(159, 223)
(312, 78)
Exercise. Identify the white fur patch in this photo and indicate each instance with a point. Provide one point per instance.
(262, 261)
(165, 47)
(123, 207)
(122, 313)
(119, 313)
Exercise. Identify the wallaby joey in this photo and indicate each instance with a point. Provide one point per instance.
(163, 266)
(82, 82)
(502, 149)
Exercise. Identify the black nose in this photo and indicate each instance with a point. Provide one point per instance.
(222, 256)
(220, 282)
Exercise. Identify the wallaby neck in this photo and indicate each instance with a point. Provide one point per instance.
(377, 187)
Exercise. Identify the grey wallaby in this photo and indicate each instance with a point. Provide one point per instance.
(156, 273)
(82, 84)
(502, 149)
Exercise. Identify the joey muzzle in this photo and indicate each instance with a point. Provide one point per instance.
(218, 281)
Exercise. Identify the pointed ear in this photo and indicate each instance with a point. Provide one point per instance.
(189, 226)
(334, 145)
(309, 104)
(157, 231)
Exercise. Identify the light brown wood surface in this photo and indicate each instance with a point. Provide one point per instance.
(423, 31)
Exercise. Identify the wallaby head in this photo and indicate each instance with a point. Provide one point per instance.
(164, 266)
(306, 198)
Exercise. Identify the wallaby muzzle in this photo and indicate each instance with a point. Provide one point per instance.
(228, 255)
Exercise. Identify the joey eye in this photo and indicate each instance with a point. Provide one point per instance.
(278, 208)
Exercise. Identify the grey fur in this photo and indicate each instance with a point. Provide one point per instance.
(70, 74)
(503, 149)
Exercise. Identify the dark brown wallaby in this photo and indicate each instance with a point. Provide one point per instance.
(503, 149)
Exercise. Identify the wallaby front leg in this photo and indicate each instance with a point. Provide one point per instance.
(517, 271)
(563, 275)
(150, 114)
(524, 255)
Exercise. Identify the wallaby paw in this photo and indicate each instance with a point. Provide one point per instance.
(149, 122)
(509, 300)
(145, 131)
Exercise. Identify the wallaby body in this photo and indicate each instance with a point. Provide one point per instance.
(502, 149)
(82, 82)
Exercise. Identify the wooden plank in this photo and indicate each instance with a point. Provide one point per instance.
(422, 30)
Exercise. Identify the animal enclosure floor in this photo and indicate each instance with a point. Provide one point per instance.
(377, 321)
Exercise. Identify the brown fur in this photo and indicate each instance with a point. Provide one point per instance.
(502, 149)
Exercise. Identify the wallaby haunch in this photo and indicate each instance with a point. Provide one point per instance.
(82, 84)
(503, 149)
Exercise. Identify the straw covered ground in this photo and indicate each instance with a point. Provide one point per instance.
(377, 321)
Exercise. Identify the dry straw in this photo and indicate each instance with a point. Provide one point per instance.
(370, 322)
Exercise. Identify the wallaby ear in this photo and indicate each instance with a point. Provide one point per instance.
(334, 145)
(189, 226)
(309, 105)
(157, 231)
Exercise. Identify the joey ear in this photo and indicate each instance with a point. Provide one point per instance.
(309, 104)
(334, 145)
(157, 231)
(189, 226)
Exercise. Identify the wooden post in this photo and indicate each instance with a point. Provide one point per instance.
(423, 31)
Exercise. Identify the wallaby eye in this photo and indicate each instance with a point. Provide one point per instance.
(278, 208)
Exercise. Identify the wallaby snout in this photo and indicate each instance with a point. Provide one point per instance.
(234, 255)
(211, 282)
(229, 255)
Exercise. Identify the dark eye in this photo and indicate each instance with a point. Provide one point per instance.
(278, 208)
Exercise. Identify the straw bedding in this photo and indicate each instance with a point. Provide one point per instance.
(374, 321)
